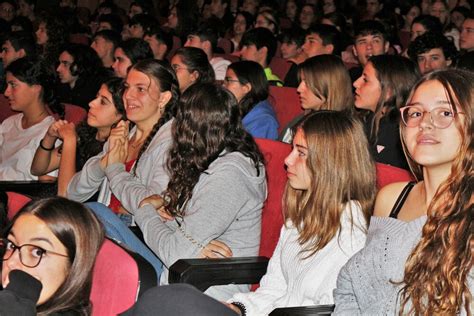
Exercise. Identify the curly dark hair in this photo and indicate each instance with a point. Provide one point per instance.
(86, 62)
(58, 34)
(33, 72)
(207, 123)
(429, 41)
(88, 146)
(166, 80)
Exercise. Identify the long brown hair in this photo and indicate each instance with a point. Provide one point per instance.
(82, 234)
(436, 272)
(328, 79)
(342, 169)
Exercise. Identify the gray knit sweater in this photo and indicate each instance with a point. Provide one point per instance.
(364, 284)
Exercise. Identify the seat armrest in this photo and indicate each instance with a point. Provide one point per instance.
(203, 273)
(303, 310)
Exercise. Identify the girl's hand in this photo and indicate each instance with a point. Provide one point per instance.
(67, 131)
(118, 151)
(216, 249)
(159, 204)
(233, 307)
(53, 129)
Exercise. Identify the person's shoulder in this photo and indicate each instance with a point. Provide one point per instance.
(386, 198)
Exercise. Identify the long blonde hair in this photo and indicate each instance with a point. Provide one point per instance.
(342, 170)
(436, 272)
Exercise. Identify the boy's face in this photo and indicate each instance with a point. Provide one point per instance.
(431, 60)
(193, 41)
(313, 46)
(289, 50)
(369, 45)
(250, 52)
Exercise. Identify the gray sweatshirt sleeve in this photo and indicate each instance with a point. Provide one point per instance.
(219, 199)
(344, 298)
(151, 177)
(86, 182)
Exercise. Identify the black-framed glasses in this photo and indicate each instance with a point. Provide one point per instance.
(229, 80)
(440, 117)
(30, 255)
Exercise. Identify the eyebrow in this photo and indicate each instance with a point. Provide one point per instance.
(11, 233)
(436, 102)
(301, 147)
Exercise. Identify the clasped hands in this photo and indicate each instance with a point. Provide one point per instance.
(118, 145)
(214, 249)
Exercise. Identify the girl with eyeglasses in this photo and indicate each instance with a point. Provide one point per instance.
(419, 255)
(248, 83)
(48, 257)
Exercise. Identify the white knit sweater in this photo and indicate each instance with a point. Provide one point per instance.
(292, 280)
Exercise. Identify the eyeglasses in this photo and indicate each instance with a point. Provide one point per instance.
(30, 255)
(440, 117)
(229, 80)
(177, 67)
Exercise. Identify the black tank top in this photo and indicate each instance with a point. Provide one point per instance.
(401, 200)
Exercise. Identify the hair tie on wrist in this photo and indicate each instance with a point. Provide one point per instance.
(241, 307)
(44, 148)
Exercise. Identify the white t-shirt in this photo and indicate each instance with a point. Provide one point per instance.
(219, 65)
(18, 147)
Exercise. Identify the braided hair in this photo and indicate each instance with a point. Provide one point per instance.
(166, 80)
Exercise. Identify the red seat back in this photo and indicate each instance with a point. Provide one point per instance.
(280, 67)
(74, 114)
(274, 153)
(387, 174)
(176, 45)
(225, 44)
(115, 281)
(15, 202)
(286, 104)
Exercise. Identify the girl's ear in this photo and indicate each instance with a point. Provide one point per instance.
(247, 87)
(194, 76)
(165, 97)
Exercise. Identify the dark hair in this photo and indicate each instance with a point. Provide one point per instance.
(429, 41)
(250, 72)
(371, 27)
(329, 34)
(33, 72)
(429, 22)
(207, 123)
(22, 40)
(196, 60)
(147, 6)
(23, 22)
(206, 32)
(165, 78)
(86, 62)
(261, 37)
(249, 19)
(136, 49)
(88, 146)
(110, 36)
(292, 35)
(146, 21)
(161, 36)
(187, 16)
(114, 20)
(58, 35)
(82, 234)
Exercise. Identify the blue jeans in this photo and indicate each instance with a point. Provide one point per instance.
(115, 228)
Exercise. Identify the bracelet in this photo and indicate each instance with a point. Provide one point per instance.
(241, 307)
(44, 148)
